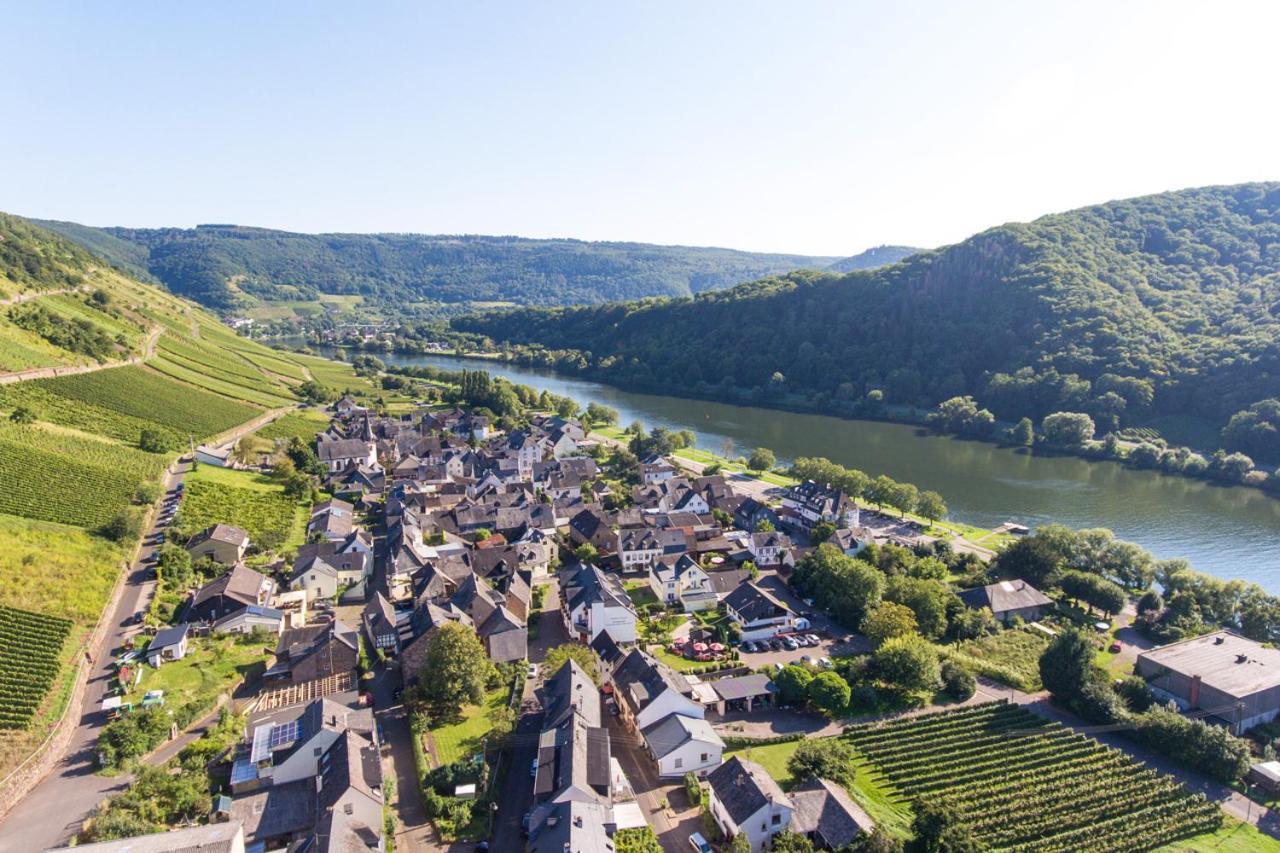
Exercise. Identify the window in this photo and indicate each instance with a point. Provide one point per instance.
(777, 819)
(704, 758)
(679, 763)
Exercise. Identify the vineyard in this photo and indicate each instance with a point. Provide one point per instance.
(30, 648)
(1021, 784)
(52, 487)
(269, 515)
(304, 425)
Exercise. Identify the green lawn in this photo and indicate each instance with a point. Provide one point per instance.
(873, 792)
(212, 666)
(1010, 657)
(460, 740)
(640, 593)
(1234, 837)
(675, 661)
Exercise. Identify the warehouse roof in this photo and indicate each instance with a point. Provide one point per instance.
(1223, 660)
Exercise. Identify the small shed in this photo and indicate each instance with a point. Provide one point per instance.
(1265, 774)
(168, 644)
(216, 456)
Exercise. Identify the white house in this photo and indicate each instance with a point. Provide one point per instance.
(218, 457)
(682, 580)
(250, 619)
(287, 746)
(767, 549)
(322, 577)
(681, 745)
(744, 799)
(649, 691)
(168, 644)
(639, 547)
(655, 470)
(594, 601)
(808, 503)
(758, 613)
(339, 453)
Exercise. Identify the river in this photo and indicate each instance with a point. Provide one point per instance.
(1231, 532)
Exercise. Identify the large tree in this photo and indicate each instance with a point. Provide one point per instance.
(829, 693)
(888, 619)
(455, 670)
(906, 664)
(559, 655)
(822, 758)
(1067, 664)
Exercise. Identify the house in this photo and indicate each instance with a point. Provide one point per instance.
(233, 591)
(656, 469)
(571, 825)
(593, 601)
(380, 624)
(347, 406)
(340, 453)
(1008, 600)
(218, 457)
(751, 513)
(827, 815)
(681, 744)
(221, 542)
(314, 652)
(725, 581)
(323, 577)
(768, 549)
(638, 548)
(250, 619)
(286, 745)
(331, 521)
(648, 691)
(168, 644)
(593, 527)
(758, 613)
(1222, 675)
(744, 799)
(809, 503)
(208, 838)
(573, 762)
(681, 579)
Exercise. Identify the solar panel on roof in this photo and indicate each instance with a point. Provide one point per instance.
(243, 771)
(284, 733)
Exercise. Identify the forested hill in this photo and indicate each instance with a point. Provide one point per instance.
(879, 256)
(227, 266)
(1163, 304)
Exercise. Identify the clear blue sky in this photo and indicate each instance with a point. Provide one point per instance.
(805, 127)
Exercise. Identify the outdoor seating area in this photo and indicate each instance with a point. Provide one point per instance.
(699, 651)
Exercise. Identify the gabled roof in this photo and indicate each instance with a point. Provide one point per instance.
(239, 583)
(744, 787)
(166, 637)
(675, 730)
(589, 584)
(220, 533)
(342, 448)
(1004, 596)
(570, 691)
(824, 808)
(751, 603)
(606, 648)
(642, 679)
(208, 838)
(726, 581)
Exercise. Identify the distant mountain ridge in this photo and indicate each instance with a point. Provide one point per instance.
(878, 256)
(229, 266)
(1163, 305)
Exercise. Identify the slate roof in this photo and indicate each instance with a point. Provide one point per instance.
(753, 603)
(240, 583)
(578, 827)
(642, 679)
(1004, 596)
(726, 581)
(342, 448)
(507, 646)
(675, 730)
(209, 838)
(168, 637)
(743, 788)
(823, 807)
(570, 690)
(220, 533)
(590, 584)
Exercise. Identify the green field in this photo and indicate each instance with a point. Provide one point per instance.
(30, 649)
(56, 569)
(245, 499)
(1020, 783)
(882, 801)
(461, 740)
(304, 424)
(1011, 657)
(213, 665)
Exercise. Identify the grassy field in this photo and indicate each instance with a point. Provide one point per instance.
(212, 666)
(1234, 837)
(460, 740)
(640, 592)
(1011, 657)
(304, 424)
(56, 569)
(245, 499)
(882, 801)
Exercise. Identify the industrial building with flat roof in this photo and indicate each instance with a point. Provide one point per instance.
(1223, 675)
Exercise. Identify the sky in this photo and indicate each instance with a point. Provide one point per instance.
(817, 128)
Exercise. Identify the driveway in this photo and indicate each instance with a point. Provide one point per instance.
(674, 823)
(54, 809)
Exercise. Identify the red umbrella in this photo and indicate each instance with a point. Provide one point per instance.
(679, 641)
(717, 647)
(699, 647)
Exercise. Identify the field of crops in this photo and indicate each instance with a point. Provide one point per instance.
(304, 425)
(1022, 784)
(30, 646)
(121, 401)
(1011, 657)
(257, 391)
(269, 515)
(56, 568)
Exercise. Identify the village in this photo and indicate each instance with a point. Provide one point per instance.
(667, 599)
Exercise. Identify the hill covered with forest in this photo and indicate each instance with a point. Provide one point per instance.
(1164, 306)
(877, 256)
(230, 267)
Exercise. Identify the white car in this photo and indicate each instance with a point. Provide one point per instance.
(533, 670)
(825, 663)
(697, 842)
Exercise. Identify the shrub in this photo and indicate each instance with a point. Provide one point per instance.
(822, 758)
(957, 681)
(693, 788)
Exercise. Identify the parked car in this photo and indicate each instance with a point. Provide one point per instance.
(698, 843)
(533, 670)
(777, 667)
(776, 645)
(806, 660)
(825, 663)
(613, 707)
(814, 639)
(1114, 648)
(747, 646)
(790, 644)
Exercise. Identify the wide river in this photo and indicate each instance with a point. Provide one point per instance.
(1232, 532)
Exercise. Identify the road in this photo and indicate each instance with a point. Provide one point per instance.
(53, 811)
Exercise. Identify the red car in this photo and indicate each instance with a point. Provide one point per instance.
(1115, 647)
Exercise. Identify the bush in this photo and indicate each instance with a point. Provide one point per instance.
(957, 681)
(1136, 693)
(1211, 750)
(822, 758)
(693, 788)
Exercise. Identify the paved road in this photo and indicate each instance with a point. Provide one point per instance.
(54, 810)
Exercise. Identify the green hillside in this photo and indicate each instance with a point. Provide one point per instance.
(231, 267)
(879, 256)
(1163, 306)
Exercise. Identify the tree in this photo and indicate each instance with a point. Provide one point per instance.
(1032, 559)
(456, 670)
(829, 693)
(938, 829)
(1150, 602)
(1023, 433)
(929, 600)
(586, 553)
(957, 681)
(930, 505)
(888, 619)
(1066, 665)
(821, 532)
(907, 664)
(761, 459)
(580, 654)
(600, 414)
(741, 843)
(846, 586)
(22, 415)
(903, 497)
(152, 441)
(764, 525)
(1255, 430)
(1067, 429)
(822, 758)
(793, 684)
(639, 839)
(790, 842)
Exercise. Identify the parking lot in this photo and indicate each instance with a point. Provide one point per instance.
(827, 647)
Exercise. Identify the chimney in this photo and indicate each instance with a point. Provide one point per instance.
(1194, 693)
(1217, 641)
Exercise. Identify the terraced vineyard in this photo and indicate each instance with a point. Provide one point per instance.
(1022, 784)
(269, 516)
(30, 645)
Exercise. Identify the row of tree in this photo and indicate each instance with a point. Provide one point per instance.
(882, 491)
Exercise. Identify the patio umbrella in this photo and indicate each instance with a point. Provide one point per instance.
(699, 647)
(717, 647)
(679, 641)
